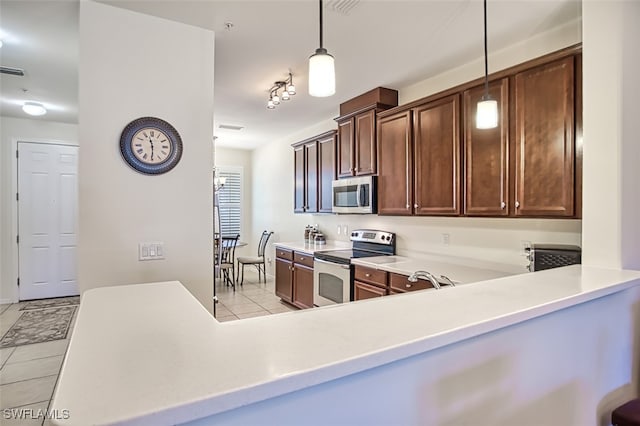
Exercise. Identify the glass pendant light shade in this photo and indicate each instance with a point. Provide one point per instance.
(322, 74)
(291, 89)
(270, 104)
(276, 99)
(34, 108)
(285, 96)
(487, 114)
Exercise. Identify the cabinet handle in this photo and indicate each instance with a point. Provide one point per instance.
(302, 258)
(415, 206)
(367, 275)
(407, 207)
(517, 204)
(408, 285)
(503, 205)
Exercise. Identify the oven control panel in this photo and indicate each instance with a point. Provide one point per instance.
(373, 236)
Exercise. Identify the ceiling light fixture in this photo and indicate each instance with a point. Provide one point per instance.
(487, 109)
(34, 108)
(322, 72)
(288, 90)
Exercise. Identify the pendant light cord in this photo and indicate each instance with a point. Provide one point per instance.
(486, 60)
(321, 24)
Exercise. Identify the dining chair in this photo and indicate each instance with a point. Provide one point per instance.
(227, 259)
(258, 261)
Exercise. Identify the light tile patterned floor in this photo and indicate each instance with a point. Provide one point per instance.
(28, 374)
(252, 299)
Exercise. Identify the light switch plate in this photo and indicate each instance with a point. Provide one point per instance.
(151, 251)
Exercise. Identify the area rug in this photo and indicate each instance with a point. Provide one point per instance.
(51, 303)
(37, 326)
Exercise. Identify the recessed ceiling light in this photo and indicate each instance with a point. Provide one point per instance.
(34, 108)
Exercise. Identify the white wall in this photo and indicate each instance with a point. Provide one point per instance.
(528, 374)
(497, 240)
(241, 158)
(611, 65)
(134, 65)
(11, 131)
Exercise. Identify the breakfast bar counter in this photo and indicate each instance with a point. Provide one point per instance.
(507, 347)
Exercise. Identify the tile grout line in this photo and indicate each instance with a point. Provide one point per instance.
(32, 378)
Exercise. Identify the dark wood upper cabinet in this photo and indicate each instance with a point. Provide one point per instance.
(299, 179)
(365, 143)
(345, 148)
(311, 177)
(544, 140)
(314, 170)
(437, 157)
(327, 170)
(395, 150)
(486, 154)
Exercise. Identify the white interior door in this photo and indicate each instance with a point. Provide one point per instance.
(47, 220)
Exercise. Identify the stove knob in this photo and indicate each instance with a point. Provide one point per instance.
(388, 237)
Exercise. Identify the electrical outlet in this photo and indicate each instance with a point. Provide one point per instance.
(345, 230)
(525, 245)
(445, 239)
(339, 228)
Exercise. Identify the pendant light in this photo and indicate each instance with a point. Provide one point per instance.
(322, 73)
(487, 110)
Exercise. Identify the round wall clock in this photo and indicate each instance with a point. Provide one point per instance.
(151, 145)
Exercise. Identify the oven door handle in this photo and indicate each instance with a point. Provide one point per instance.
(333, 264)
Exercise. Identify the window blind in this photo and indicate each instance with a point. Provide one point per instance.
(230, 202)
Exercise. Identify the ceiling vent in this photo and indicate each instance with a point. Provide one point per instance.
(342, 7)
(230, 127)
(12, 71)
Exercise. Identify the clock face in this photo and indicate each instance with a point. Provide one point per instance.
(151, 145)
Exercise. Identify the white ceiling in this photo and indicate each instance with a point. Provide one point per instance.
(388, 43)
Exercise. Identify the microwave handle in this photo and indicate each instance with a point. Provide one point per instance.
(361, 194)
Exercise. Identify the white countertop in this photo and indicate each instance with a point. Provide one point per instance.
(458, 273)
(160, 358)
(304, 247)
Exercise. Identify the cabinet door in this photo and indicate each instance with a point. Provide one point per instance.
(437, 157)
(365, 143)
(544, 120)
(345, 148)
(299, 175)
(363, 291)
(486, 153)
(395, 180)
(284, 279)
(302, 286)
(327, 170)
(311, 177)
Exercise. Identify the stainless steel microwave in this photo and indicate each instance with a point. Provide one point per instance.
(355, 195)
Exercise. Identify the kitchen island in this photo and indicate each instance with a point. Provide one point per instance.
(549, 347)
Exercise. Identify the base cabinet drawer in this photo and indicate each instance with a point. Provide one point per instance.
(303, 259)
(363, 291)
(401, 283)
(284, 253)
(370, 275)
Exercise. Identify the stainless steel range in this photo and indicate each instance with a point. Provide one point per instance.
(333, 271)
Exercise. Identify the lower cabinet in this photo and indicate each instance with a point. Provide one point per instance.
(363, 291)
(294, 277)
(369, 283)
(284, 279)
(302, 286)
